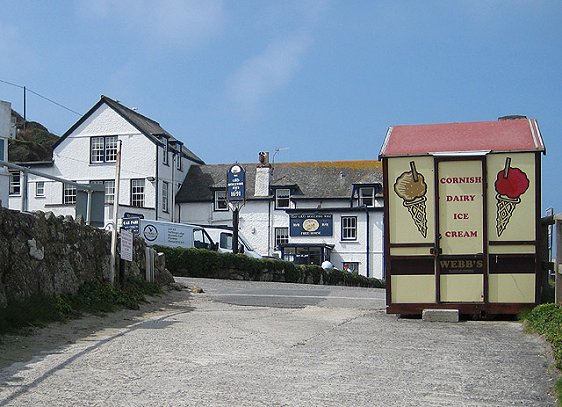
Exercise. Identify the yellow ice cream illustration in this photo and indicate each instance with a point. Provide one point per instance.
(411, 187)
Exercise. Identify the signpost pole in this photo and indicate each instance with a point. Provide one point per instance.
(236, 196)
(235, 220)
(115, 214)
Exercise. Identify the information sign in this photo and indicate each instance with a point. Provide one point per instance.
(126, 245)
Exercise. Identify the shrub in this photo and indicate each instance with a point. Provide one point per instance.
(205, 263)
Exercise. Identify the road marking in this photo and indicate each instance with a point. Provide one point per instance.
(296, 296)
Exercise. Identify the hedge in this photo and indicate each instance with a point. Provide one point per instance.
(210, 264)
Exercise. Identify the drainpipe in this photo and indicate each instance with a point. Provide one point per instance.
(156, 182)
(367, 250)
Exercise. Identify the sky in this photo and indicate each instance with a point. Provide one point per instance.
(305, 80)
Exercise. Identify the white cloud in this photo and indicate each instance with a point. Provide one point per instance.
(165, 23)
(267, 72)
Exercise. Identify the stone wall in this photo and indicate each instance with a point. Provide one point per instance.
(42, 254)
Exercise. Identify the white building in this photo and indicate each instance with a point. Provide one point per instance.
(153, 165)
(304, 212)
(5, 134)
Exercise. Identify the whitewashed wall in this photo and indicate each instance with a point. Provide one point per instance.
(5, 122)
(254, 220)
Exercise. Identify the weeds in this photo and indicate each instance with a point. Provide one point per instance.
(93, 297)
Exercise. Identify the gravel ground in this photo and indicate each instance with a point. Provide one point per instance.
(192, 349)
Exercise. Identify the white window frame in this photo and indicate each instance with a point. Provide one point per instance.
(15, 183)
(103, 149)
(281, 236)
(367, 194)
(179, 166)
(165, 196)
(352, 266)
(137, 192)
(282, 194)
(348, 228)
(68, 194)
(40, 189)
(220, 203)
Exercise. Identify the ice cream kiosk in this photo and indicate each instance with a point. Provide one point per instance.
(462, 216)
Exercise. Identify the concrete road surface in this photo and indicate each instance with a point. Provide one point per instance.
(272, 344)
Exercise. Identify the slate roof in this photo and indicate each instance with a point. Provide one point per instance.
(510, 133)
(145, 125)
(308, 180)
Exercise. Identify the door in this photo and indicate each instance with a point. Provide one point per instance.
(460, 255)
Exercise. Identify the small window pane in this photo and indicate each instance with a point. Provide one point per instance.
(220, 201)
(282, 198)
(109, 191)
(164, 196)
(111, 149)
(97, 150)
(40, 188)
(281, 236)
(137, 193)
(367, 197)
(349, 227)
(15, 183)
(226, 241)
(351, 266)
(69, 195)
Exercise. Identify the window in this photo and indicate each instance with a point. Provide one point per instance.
(367, 197)
(225, 241)
(165, 155)
(220, 201)
(40, 188)
(282, 198)
(69, 195)
(15, 183)
(109, 187)
(137, 193)
(2, 150)
(281, 236)
(351, 266)
(349, 227)
(178, 162)
(103, 149)
(165, 194)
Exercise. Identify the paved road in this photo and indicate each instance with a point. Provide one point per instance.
(269, 344)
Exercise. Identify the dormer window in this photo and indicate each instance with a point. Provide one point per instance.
(367, 197)
(282, 198)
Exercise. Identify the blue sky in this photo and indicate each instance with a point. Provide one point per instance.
(322, 80)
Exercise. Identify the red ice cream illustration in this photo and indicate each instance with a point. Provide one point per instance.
(510, 184)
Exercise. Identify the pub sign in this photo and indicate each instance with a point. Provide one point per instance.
(311, 225)
(235, 183)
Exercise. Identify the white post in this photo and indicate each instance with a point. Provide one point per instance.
(89, 209)
(115, 215)
(558, 261)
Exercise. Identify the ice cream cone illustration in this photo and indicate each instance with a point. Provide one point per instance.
(411, 187)
(510, 184)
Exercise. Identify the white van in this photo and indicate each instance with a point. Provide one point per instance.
(223, 236)
(175, 235)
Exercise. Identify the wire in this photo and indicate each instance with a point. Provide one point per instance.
(41, 96)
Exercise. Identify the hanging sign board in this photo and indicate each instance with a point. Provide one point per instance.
(236, 184)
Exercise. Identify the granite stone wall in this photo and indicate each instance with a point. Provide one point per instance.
(42, 254)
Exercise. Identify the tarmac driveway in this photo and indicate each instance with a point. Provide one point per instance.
(270, 344)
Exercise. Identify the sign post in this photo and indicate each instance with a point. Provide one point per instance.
(236, 196)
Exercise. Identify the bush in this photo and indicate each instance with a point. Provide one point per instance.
(546, 319)
(209, 264)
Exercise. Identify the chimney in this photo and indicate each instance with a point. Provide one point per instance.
(263, 175)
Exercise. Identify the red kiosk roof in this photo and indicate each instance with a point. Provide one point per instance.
(520, 134)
